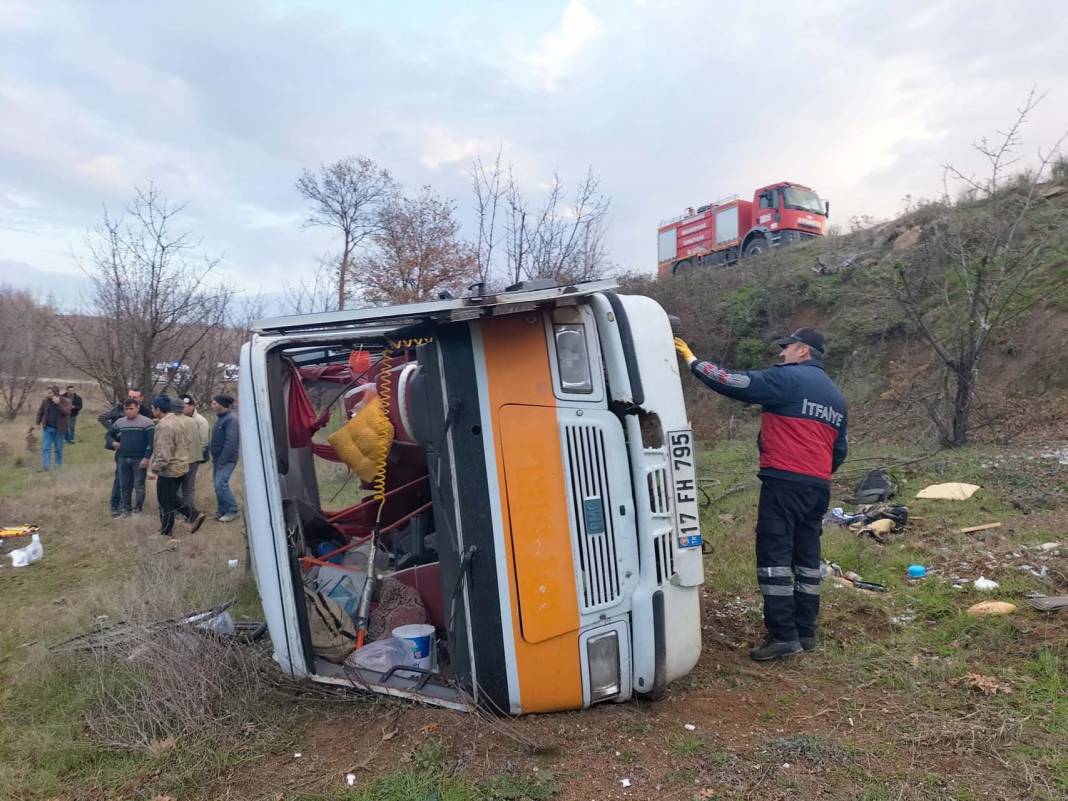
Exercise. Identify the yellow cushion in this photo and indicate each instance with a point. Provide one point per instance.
(365, 438)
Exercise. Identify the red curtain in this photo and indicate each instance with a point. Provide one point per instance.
(303, 422)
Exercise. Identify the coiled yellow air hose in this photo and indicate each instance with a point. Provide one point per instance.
(385, 395)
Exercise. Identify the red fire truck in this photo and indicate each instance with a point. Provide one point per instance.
(732, 228)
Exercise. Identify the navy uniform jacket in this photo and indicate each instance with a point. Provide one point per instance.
(803, 423)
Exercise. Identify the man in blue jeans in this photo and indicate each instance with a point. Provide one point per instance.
(131, 438)
(53, 416)
(108, 419)
(225, 442)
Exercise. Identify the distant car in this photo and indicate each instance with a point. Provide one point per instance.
(229, 372)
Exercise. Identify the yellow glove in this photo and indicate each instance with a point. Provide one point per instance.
(684, 351)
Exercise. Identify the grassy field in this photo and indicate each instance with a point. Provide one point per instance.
(908, 698)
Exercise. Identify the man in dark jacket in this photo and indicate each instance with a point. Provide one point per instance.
(53, 416)
(108, 419)
(131, 439)
(225, 443)
(802, 442)
(75, 401)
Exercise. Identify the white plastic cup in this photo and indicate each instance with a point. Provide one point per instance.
(420, 640)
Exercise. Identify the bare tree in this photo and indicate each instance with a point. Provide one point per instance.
(347, 196)
(150, 300)
(563, 240)
(316, 292)
(973, 272)
(24, 336)
(486, 184)
(417, 252)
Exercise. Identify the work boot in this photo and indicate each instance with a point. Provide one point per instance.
(809, 643)
(196, 522)
(774, 649)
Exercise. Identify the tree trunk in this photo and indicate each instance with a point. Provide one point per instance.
(962, 405)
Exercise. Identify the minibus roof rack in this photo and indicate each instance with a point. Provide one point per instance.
(453, 309)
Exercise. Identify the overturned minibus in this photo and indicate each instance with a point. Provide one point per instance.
(528, 489)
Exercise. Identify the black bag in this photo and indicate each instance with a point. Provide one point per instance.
(876, 486)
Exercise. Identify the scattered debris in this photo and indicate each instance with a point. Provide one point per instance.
(350, 779)
(842, 517)
(984, 684)
(878, 530)
(1052, 603)
(983, 527)
(1042, 573)
(917, 571)
(902, 620)
(992, 609)
(232, 564)
(877, 485)
(25, 530)
(1049, 546)
(690, 727)
(625, 782)
(952, 491)
(34, 552)
(984, 584)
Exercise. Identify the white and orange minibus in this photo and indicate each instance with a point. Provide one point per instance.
(538, 491)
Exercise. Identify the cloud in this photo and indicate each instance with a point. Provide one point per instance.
(559, 53)
(441, 147)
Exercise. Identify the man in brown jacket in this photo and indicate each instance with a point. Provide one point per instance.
(53, 416)
(170, 462)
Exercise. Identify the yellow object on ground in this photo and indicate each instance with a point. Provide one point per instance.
(953, 491)
(17, 531)
(363, 440)
(991, 608)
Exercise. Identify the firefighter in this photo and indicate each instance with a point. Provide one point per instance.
(802, 442)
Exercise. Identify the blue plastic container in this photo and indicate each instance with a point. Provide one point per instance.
(917, 571)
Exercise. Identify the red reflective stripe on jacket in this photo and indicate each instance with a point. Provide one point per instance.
(796, 445)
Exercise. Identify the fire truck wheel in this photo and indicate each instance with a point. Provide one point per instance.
(683, 267)
(757, 244)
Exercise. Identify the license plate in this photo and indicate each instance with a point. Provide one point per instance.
(684, 482)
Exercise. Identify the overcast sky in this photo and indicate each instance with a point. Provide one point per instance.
(672, 103)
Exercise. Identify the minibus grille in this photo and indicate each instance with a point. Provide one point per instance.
(592, 499)
(665, 557)
(658, 491)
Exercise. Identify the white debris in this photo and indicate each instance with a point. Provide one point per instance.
(625, 782)
(983, 583)
(297, 755)
(350, 779)
(786, 765)
(231, 564)
(690, 727)
(1049, 546)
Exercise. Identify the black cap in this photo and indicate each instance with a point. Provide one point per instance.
(224, 400)
(162, 402)
(806, 336)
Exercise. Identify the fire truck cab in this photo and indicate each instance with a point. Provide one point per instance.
(541, 497)
(730, 228)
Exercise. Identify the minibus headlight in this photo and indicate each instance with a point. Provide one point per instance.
(602, 655)
(573, 358)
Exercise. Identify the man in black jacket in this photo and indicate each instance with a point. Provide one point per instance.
(225, 448)
(802, 442)
(75, 401)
